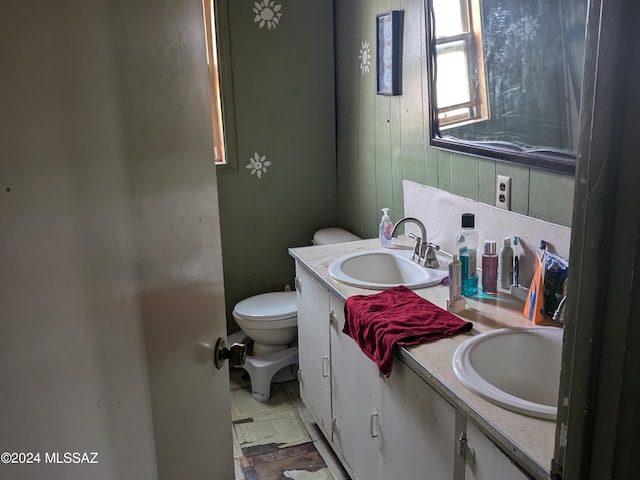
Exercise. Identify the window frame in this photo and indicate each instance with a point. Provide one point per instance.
(477, 108)
(217, 35)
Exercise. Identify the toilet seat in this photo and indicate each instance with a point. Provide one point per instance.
(268, 307)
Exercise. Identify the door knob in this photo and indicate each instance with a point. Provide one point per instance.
(236, 354)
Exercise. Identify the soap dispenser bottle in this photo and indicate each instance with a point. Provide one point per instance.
(386, 227)
(467, 244)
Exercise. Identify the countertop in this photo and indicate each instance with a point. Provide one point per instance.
(530, 441)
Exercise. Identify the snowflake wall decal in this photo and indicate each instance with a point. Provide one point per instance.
(258, 164)
(267, 13)
(365, 57)
(528, 27)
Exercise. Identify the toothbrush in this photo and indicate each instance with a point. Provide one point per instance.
(516, 260)
(544, 249)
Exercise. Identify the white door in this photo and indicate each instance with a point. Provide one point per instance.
(110, 262)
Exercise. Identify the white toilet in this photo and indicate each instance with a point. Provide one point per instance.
(271, 321)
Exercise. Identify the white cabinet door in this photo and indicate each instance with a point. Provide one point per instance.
(314, 350)
(418, 428)
(487, 461)
(356, 393)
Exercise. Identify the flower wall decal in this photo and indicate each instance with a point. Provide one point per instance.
(365, 57)
(258, 164)
(267, 13)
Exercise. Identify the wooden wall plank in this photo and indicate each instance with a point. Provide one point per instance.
(347, 25)
(487, 181)
(368, 216)
(384, 118)
(412, 113)
(549, 196)
(464, 176)
(444, 170)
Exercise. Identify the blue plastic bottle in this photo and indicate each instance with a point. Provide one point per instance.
(467, 244)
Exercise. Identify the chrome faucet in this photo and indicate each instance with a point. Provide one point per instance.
(424, 253)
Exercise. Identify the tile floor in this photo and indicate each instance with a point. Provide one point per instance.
(271, 438)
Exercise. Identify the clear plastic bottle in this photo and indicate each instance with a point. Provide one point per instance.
(490, 268)
(385, 229)
(505, 262)
(467, 244)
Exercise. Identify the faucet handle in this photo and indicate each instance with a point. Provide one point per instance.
(431, 259)
(417, 253)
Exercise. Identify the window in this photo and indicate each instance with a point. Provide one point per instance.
(219, 152)
(460, 78)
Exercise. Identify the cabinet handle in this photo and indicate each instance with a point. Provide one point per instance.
(465, 451)
(374, 419)
(462, 445)
(298, 284)
(325, 366)
(333, 319)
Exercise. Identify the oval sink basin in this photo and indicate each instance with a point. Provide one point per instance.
(515, 368)
(379, 270)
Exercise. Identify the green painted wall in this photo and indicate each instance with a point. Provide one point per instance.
(283, 102)
(383, 140)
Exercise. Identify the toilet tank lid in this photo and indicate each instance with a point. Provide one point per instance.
(268, 306)
(331, 235)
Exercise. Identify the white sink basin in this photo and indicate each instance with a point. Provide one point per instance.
(382, 269)
(515, 368)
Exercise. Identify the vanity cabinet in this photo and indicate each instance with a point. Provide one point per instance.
(382, 428)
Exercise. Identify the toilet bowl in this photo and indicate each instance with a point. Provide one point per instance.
(270, 320)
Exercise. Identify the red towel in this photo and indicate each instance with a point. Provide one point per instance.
(397, 316)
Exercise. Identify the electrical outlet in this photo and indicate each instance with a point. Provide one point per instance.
(503, 192)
